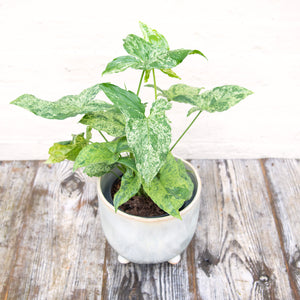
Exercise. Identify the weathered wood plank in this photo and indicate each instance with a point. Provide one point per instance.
(61, 248)
(52, 246)
(284, 183)
(16, 179)
(237, 250)
(153, 281)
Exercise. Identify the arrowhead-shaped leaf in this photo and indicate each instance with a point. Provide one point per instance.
(67, 106)
(130, 185)
(149, 138)
(150, 52)
(220, 98)
(154, 37)
(171, 188)
(111, 121)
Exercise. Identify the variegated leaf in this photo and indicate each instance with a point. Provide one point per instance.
(67, 150)
(111, 121)
(170, 73)
(138, 47)
(130, 185)
(94, 154)
(182, 93)
(149, 138)
(154, 37)
(128, 162)
(67, 106)
(171, 188)
(122, 63)
(220, 98)
(98, 169)
(127, 102)
(150, 52)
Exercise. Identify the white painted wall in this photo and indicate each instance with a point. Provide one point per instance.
(54, 48)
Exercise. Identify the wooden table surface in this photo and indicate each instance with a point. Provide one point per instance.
(247, 244)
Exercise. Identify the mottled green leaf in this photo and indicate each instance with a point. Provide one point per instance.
(171, 188)
(220, 98)
(128, 102)
(67, 106)
(149, 138)
(170, 73)
(154, 37)
(111, 121)
(122, 63)
(138, 47)
(98, 169)
(150, 52)
(119, 145)
(182, 93)
(128, 162)
(180, 54)
(94, 154)
(130, 185)
(67, 149)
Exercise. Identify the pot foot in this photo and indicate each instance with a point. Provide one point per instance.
(175, 260)
(123, 260)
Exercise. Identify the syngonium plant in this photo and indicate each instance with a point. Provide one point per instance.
(141, 145)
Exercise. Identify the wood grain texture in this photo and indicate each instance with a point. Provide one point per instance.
(246, 245)
(284, 182)
(59, 251)
(153, 281)
(237, 250)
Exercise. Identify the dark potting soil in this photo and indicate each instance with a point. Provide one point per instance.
(141, 206)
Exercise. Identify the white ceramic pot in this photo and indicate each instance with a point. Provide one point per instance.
(148, 240)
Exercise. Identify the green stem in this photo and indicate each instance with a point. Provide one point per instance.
(140, 83)
(154, 82)
(103, 136)
(186, 130)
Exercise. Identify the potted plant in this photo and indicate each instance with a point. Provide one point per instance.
(148, 199)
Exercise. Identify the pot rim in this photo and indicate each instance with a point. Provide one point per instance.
(155, 219)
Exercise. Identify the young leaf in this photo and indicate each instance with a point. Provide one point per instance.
(154, 37)
(220, 98)
(149, 138)
(67, 150)
(111, 121)
(149, 53)
(130, 185)
(171, 188)
(67, 106)
(170, 73)
(138, 47)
